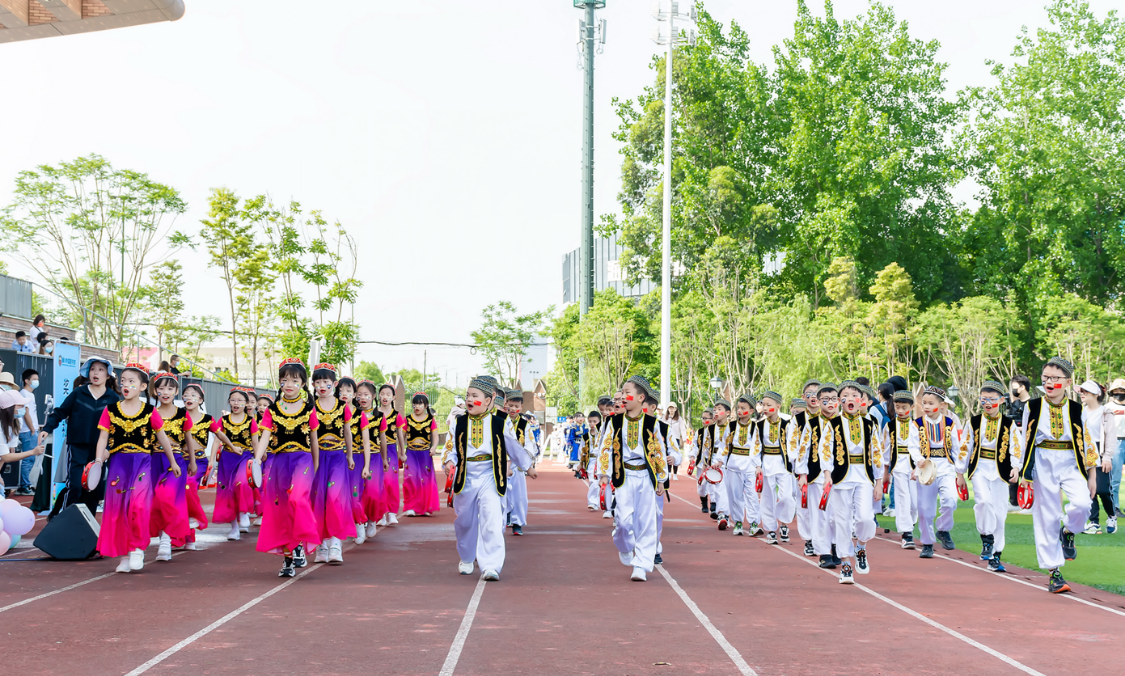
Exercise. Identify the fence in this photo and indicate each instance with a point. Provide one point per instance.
(15, 296)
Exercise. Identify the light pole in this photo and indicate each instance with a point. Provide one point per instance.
(669, 12)
(590, 32)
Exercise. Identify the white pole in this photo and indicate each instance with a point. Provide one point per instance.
(666, 262)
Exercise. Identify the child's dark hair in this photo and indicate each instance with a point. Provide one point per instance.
(324, 374)
(420, 398)
(197, 388)
(385, 386)
(370, 386)
(242, 394)
(8, 422)
(346, 380)
(297, 371)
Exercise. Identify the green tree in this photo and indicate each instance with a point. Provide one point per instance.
(505, 335)
(164, 303)
(230, 241)
(257, 311)
(369, 370)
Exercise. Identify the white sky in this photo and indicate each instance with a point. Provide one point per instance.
(444, 134)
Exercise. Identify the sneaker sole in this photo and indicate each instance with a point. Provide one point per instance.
(1061, 590)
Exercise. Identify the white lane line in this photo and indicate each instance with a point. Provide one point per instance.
(711, 629)
(1012, 578)
(218, 623)
(57, 591)
(462, 632)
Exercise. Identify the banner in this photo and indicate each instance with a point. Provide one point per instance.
(67, 356)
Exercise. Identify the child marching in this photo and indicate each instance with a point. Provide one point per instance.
(169, 520)
(419, 483)
(394, 452)
(234, 499)
(331, 489)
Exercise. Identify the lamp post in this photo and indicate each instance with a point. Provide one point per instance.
(717, 384)
(668, 12)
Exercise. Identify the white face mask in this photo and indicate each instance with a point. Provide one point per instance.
(49, 349)
(35, 383)
(20, 412)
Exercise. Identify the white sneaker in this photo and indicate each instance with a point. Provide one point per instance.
(123, 566)
(234, 533)
(193, 523)
(360, 534)
(257, 522)
(191, 546)
(1092, 528)
(164, 549)
(491, 575)
(321, 554)
(626, 558)
(371, 530)
(607, 514)
(409, 512)
(675, 477)
(335, 552)
(638, 575)
(392, 519)
(244, 522)
(588, 505)
(888, 512)
(382, 521)
(136, 559)
(465, 567)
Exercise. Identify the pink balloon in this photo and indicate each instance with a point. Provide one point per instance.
(1, 525)
(19, 521)
(5, 542)
(8, 507)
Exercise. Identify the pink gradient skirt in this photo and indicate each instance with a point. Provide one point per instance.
(392, 496)
(194, 505)
(233, 495)
(128, 501)
(419, 484)
(372, 498)
(332, 497)
(356, 484)
(288, 518)
(169, 499)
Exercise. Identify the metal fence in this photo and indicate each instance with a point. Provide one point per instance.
(15, 297)
(215, 393)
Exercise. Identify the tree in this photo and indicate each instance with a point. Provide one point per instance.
(1085, 334)
(164, 303)
(256, 307)
(369, 370)
(91, 232)
(562, 381)
(230, 241)
(280, 225)
(335, 261)
(504, 336)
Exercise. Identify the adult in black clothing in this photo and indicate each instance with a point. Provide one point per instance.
(94, 390)
(1020, 387)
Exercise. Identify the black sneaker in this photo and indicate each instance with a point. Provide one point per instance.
(861, 562)
(517, 529)
(287, 569)
(658, 559)
(946, 540)
(703, 502)
(1056, 584)
(714, 515)
(994, 563)
(835, 559)
(809, 551)
(908, 541)
(927, 552)
(846, 574)
(1070, 552)
(299, 559)
(784, 533)
(986, 547)
(826, 561)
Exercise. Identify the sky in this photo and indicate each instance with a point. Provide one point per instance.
(444, 135)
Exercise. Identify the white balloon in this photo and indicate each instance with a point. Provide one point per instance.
(5, 542)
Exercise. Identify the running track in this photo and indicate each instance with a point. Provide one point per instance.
(564, 605)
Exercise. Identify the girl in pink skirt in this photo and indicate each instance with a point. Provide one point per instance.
(289, 428)
(234, 499)
(131, 430)
(169, 518)
(373, 499)
(202, 427)
(419, 483)
(394, 451)
(360, 471)
(331, 491)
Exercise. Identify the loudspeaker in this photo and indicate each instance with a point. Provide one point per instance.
(70, 536)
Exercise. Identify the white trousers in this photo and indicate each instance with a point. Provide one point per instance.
(944, 488)
(516, 497)
(851, 506)
(594, 489)
(991, 508)
(906, 502)
(777, 502)
(635, 516)
(1056, 473)
(479, 524)
(742, 498)
(818, 521)
(659, 521)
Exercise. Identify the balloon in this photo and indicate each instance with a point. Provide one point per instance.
(5, 542)
(1, 525)
(19, 521)
(15, 541)
(7, 507)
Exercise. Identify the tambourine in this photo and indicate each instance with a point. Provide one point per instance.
(713, 475)
(963, 493)
(449, 490)
(805, 496)
(691, 467)
(92, 475)
(583, 474)
(927, 473)
(254, 473)
(760, 482)
(824, 498)
(603, 497)
(1025, 495)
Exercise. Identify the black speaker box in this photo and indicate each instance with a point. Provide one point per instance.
(70, 536)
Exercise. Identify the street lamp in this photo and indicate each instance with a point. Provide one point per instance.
(668, 12)
(717, 384)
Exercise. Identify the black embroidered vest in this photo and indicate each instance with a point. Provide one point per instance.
(174, 430)
(649, 444)
(131, 435)
(1077, 436)
(499, 453)
(199, 431)
(239, 433)
(1001, 455)
(778, 443)
(291, 433)
(330, 427)
(842, 458)
(894, 428)
(418, 434)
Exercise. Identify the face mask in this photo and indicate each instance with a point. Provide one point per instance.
(49, 349)
(20, 412)
(34, 384)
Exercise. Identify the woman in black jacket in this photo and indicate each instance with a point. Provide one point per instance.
(94, 390)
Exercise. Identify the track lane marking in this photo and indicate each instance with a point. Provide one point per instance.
(463, 631)
(937, 625)
(729, 649)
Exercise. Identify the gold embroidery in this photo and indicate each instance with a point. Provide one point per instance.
(329, 417)
(855, 431)
(632, 432)
(743, 435)
(840, 451)
(991, 429)
(1058, 424)
(476, 431)
(291, 423)
(236, 428)
(1091, 450)
(772, 431)
(1002, 447)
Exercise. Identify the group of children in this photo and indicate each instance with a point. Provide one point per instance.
(287, 465)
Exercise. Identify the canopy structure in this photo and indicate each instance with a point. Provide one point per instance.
(33, 19)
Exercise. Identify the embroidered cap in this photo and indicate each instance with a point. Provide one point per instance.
(936, 391)
(515, 394)
(812, 381)
(770, 394)
(905, 396)
(1061, 364)
(134, 366)
(480, 383)
(749, 399)
(854, 384)
(325, 366)
(869, 391)
(198, 388)
(646, 387)
(723, 402)
(797, 403)
(291, 361)
(605, 401)
(826, 387)
(993, 386)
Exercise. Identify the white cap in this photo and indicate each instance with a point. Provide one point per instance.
(1091, 387)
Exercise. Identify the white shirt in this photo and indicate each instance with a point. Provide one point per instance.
(911, 444)
(1118, 411)
(857, 472)
(31, 408)
(777, 434)
(741, 438)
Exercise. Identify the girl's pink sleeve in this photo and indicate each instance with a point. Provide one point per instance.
(104, 423)
(313, 421)
(363, 421)
(187, 422)
(383, 424)
(253, 426)
(267, 421)
(348, 411)
(433, 425)
(217, 424)
(400, 421)
(156, 421)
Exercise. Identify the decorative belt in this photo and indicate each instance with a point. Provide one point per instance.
(771, 450)
(290, 447)
(637, 468)
(129, 448)
(331, 450)
(479, 458)
(740, 451)
(855, 459)
(1056, 445)
(988, 454)
(938, 453)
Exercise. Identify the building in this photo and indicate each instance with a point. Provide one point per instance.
(35, 19)
(607, 272)
(535, 363)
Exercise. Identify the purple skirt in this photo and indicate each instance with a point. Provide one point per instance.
(288, 518)
(128, 502)
(332, 496)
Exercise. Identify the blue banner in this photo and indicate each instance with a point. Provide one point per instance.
(67, 364)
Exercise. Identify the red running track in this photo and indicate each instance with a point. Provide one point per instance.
(564, 605)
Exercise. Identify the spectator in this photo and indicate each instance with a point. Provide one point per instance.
(675, 432)
(22, 343)
(165, 367)
(46, 345)
(174, 364)
(884, 409)
(38, 327)
(7, 381)
(1020, 387)
(29, 429)
(94, 390)
(10, 404)
(1117, 407)
(1102, 428)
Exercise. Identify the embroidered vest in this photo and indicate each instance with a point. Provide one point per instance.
(131, 434)
(653, 459)
(499, 454)
(291, 432)
(239, 433)
(842, 451)
(947, 433)
(374, 419)
(330, 427)
(419, 434)
(174, 430)
(1001, 455)
(199, 430)
(896, 425)
(816, 430)
(776, 443)
(1077, 432)
(392, 428)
